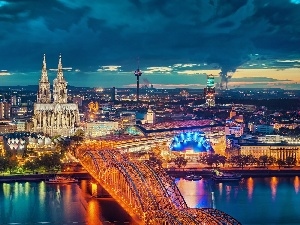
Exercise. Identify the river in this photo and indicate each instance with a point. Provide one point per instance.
(270, 201)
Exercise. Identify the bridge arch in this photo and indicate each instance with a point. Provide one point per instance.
(146, 192)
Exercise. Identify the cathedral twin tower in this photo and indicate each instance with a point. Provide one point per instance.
(59, 86)
(54, 116)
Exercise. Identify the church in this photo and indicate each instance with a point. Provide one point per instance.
(53, 115)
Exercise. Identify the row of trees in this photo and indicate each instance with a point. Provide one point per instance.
(47, 162)
(215, 160)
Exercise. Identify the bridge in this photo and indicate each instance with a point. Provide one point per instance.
(144, 189)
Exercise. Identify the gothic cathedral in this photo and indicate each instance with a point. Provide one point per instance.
(57, 117)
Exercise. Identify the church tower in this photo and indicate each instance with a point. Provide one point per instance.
(57, 117)
(60, 85)
(44, 94)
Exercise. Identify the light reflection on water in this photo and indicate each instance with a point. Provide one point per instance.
(38, 202)
(271, 200)
(297, 184)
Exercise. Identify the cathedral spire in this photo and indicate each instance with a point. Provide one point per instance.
(44, 94)
(44, 77)
(60, 75)
(60, 85)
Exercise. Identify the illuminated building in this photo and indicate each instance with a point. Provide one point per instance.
(21, 125)
(4, 110)
(209, 91)
(262, 128)
(58, 117)
(194, 142)
(127, 119)
(21, 141)
(18, 111)
(93, 111)
(101, 128)
(236, 129)
(7, 128)
(276, 150)
(150, 116)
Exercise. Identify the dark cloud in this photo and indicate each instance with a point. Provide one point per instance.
(94, 33)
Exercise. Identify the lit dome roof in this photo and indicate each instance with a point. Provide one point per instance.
(191, 141)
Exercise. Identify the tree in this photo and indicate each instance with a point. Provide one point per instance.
(239, 160)
(251, 160)
(280, 163)
(271, 160)
(222, 159)
(50, 161)
(210, 160)
(180, 161)
(290, 161)
(63, 144)
(3, 164)
(155, 161)
(12, 163)
(263, 159)
(32, 165)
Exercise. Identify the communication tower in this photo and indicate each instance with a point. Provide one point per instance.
(137, 73)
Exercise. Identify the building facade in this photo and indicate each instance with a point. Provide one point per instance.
(209, 91)
(278, 151)
(4, 110)
(54, 115)
(101, 128)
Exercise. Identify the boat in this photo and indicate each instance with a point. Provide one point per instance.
(221, 176)
(192, 177)
(61, 180)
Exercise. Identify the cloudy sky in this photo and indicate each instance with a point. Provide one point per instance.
(254, 42)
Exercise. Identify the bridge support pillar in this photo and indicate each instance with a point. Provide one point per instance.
(97, 191)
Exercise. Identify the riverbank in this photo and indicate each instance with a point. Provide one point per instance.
(41, 177)
(246, 172)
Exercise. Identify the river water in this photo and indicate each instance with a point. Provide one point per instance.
(271, 201)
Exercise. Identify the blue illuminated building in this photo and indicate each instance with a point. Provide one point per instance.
(195, 141)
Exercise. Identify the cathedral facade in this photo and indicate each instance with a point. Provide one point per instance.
(53, 115)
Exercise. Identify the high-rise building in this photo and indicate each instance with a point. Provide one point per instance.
(113, 94)
(58, 117)
(209, 91)
(4, 110)
(13, 100)
(150, 116)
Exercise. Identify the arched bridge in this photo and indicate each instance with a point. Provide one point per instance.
(145, 191)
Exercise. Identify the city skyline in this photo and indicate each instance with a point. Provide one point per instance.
(178, 43)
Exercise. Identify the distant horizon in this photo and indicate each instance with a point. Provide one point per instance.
(164, 78)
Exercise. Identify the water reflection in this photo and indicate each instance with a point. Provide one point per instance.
(296, 184)
(269, 200)
(38, 202)
(250, 185)
(273, 185)
(197, 194)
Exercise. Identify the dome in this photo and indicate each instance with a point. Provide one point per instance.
(195, 141)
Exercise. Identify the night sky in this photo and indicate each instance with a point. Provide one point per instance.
(177, 42)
